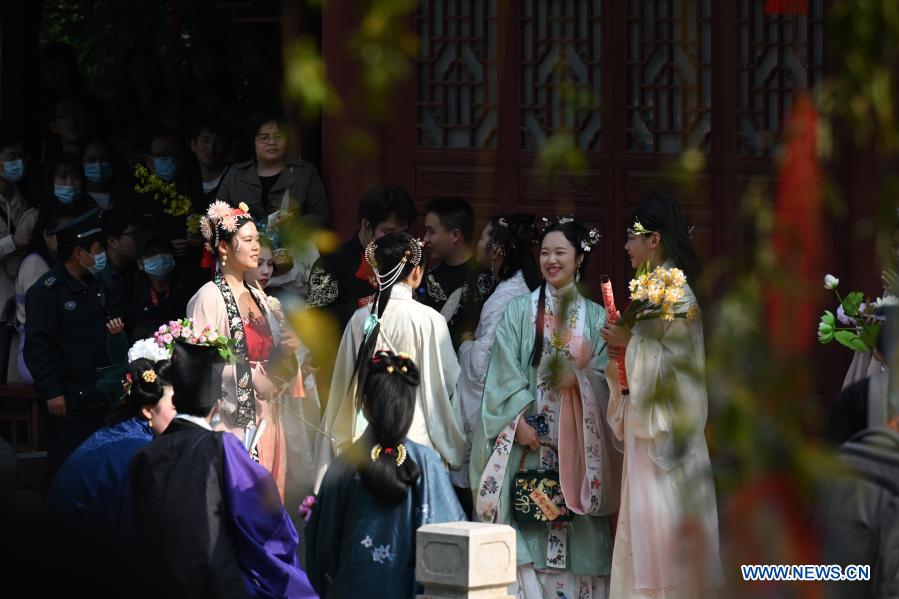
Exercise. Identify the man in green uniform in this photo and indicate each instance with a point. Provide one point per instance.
(66, 334)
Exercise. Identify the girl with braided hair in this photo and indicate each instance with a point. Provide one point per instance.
(377, 493)
(543, 410)
(394, 320)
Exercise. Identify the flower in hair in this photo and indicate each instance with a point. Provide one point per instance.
(243, 207)
(218, 210)
(149, 376)
(205, 228)
(229, 224)
(593, 237)
(564, 220)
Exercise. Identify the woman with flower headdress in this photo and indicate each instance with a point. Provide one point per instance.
(666, 542)
(394, 320)
(242, 312)
(89, 505)
(541, 458)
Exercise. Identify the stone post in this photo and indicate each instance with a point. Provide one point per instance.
(465, 559)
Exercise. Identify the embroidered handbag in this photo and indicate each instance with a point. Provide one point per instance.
(537, 495)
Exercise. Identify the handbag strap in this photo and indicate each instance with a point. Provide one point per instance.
(524, 454)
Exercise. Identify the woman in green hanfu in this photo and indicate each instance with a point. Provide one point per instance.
(544, 408)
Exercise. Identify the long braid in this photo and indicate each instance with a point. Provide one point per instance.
(537, 352)
(393, 258)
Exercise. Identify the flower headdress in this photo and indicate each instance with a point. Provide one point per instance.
(590, 239)
(220, 218)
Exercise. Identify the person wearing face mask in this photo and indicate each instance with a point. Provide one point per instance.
(63, 190)
(16, 219)
(164, 158)
(159, 293)
(65, 338)
(101, 184)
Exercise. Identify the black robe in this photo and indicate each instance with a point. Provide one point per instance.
(181, 516)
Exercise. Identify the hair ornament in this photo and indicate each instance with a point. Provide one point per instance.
(593, 237)
(400, 452)
(638, 229)
(221, 217)
(149, 376)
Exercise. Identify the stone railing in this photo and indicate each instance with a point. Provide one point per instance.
(465, 559)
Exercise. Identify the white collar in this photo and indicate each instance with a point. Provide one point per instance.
(400, 291)
(198, 420)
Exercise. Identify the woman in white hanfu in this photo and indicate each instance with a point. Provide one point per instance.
(543, 406)
(506, 247)
(395, 320)
(666, 543)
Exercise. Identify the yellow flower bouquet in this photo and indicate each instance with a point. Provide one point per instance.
(657, 293)
(173, 203)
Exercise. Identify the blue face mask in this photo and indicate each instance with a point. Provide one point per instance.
(66, 193)
(159, 267)
(98, 172)
(99, 263)
(13, 170)
(101, 198)
(166, 167)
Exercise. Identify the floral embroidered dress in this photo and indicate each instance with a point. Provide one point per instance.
(247, 411)
(360, 546)
(571, 558)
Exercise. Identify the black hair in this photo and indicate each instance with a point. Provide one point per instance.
(514, 236)
(389, 251)
(162, 131)
(388, 399)
(95, 139)
(577, 235)
(155, 246)
(381, 201)
(454, 213)
(227, 236)
(115, 222)
(210, 123)
(660, 213)
(259, 118)
(66, 249)
(10, 137)
(48, 220)
(49, 202)
(141, 392)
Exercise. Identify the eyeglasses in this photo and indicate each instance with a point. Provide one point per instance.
(267, 138)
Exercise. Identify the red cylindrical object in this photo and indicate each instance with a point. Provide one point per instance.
(612, 315)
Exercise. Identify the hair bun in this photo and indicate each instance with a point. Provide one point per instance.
(396, 364)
